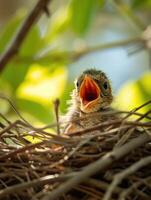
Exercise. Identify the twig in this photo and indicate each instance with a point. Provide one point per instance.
(31, 146)
(128, 171)
(98, 165)
(106, 113)
(89, 191)
(136, 109)
(37, 182)
(102, 185)
(115, 44)
(7, 128)
(126, 12)
(17, 41)
(56, 107)
(13, 107)
(72, 152)
(4, 118)
(127, 191)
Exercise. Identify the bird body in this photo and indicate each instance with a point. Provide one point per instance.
(91, 97)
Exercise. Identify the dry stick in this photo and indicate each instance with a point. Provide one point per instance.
(7, 128)
(89, 191)
(29, 147)
(144, 115)
(4, 118)
(85, 130)
(66, 157)
(137, 120)
(98, 166)
(97, 127)
(56, 107)
(37, 182)
(128, 171)
(13, 48)
(132, 112)
(94, 115)
(127, 191)
(102, 185)
(13, 107)
(83, 142)
(136, 109)
(112, 122)
(28, 125)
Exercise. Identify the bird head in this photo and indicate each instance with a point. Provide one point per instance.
(92, 91)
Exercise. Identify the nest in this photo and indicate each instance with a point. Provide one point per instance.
(109, 161)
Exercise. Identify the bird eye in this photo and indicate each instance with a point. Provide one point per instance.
(105, 85)
(77, 84)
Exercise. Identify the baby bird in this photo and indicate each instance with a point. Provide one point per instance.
(92, 95)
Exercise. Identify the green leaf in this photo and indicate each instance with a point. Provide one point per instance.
(58, 24)
(32, 43)
(14, 74)
(15, 71)
(82, 12)
(35, 109)
(140, 3)
(8, 32)
(5, 90)
(66, 96)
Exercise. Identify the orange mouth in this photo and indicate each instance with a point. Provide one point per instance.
(89, 91)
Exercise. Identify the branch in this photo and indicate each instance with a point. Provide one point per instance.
(128, 14)
(37, 182)
(128, 171)
(98, 166)
(78, 53)
(115, 44)
(17, 41)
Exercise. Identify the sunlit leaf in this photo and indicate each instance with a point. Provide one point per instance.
(32, 139)
(82, 12)
(36, 139)
(41, 85)
(135, 93)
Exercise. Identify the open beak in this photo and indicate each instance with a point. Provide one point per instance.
(89, 92)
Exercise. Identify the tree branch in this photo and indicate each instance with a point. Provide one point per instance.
(98, 165)
(127, 13)
(115, 44)
(17, 41)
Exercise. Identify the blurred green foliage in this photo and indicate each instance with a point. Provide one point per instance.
(141, 4)
(38, 74)
(135, 93)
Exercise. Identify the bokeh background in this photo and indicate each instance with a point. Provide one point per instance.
(77, 35)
